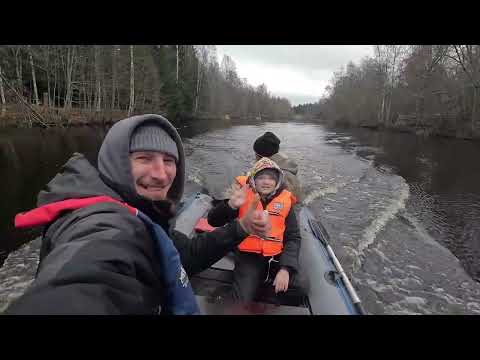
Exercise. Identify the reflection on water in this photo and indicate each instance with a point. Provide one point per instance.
(444, 177)
(29, 158)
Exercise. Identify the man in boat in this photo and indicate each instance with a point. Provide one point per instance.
(268, 145)
(258, 259)
(107, 246)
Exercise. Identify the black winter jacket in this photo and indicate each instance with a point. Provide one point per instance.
(101, 259)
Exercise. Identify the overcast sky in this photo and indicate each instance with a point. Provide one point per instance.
(298, 72)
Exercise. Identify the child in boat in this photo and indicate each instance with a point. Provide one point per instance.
(276, 256)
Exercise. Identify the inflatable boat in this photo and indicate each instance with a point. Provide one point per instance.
(322, 288)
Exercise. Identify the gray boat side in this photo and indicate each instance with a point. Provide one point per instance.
(326, 293)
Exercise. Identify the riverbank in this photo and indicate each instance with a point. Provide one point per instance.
(433, 126)
(16, 117)
(46, 117)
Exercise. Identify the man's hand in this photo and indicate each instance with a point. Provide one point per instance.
(238, 197)
(281, 281)
(256, 222)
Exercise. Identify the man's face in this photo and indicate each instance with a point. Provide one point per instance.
(153, 173)
(265, 183)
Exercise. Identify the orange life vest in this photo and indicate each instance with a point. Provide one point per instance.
(278, 209)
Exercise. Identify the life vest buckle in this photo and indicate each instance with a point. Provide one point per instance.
(270, 238)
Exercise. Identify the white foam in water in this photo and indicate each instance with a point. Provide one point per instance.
(195, 176)
(344, 138)
(408, 282)
(315, 194)
(379, 223)
(195, 179)
(382, 255)
(403, 312)
(413, 267)
(415, 300)
(409, 305)
(474, 306)
(17, 272)
(378, 287)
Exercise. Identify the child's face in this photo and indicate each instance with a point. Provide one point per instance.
(265, 183)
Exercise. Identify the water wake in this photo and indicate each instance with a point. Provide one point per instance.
(380, 222)
(316, 194)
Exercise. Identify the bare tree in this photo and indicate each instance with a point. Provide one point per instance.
(228, 68)
(389, 58)
(69, 64)
(46, 59)
(132, 83)
(420, 66)
(83, 74)
(17, 53)
(468, 57)
(142, 77)
(2, 93)
(177, 63)
(114, 74)
(31, 112)
(98, 83)
(55, 78)
(202, 64)
(34, 80)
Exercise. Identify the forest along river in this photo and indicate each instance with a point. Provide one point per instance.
(402, 212)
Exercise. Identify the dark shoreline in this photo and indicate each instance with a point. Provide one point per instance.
(424, 131)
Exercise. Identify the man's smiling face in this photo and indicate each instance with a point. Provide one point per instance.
(153, 173)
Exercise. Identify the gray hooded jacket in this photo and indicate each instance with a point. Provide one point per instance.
(101, 259)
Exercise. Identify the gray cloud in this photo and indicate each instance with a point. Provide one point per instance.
(307, 68)
(297, 99)
(306, 58)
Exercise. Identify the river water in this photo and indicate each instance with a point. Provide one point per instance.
(402, 211)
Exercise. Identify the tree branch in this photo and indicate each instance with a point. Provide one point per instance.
(38, 117)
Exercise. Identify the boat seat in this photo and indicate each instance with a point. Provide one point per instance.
(215, 306)
(216, 283)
